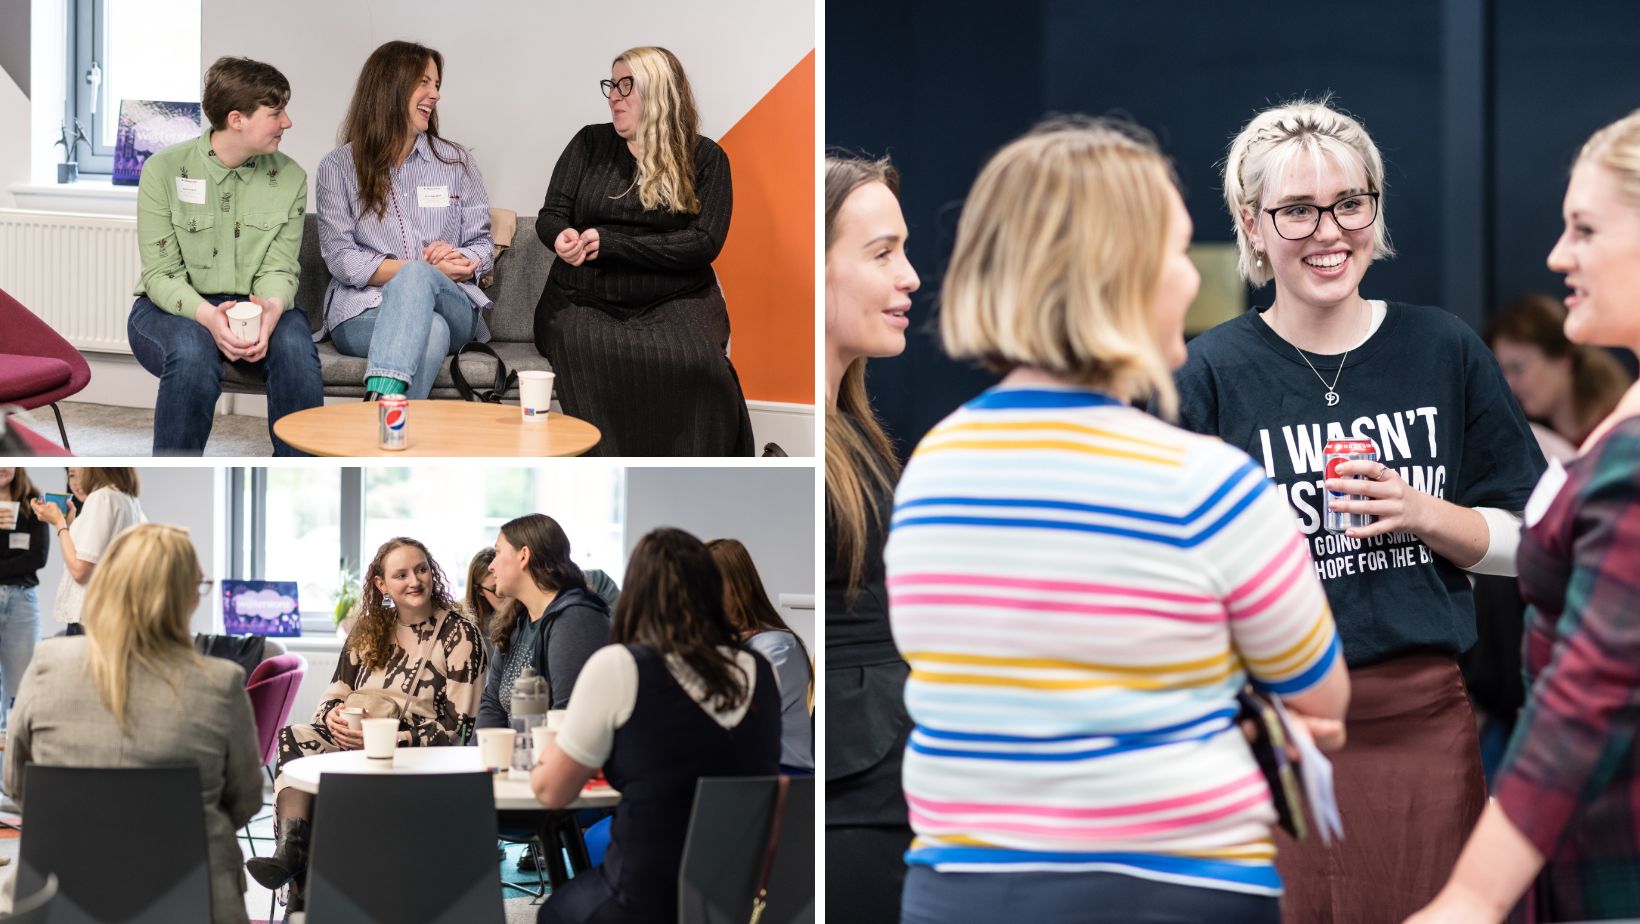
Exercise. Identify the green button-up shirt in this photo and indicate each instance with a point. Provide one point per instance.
(237, 233)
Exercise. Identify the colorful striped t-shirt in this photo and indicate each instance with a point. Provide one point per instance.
(1080, 590)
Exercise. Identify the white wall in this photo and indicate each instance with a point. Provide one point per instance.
(182, 496)
(770, 510)
(521, 75)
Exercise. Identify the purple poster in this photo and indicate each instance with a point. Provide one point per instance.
(147, 127)
(260, 608)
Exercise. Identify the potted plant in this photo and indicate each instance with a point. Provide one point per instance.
(347, 599)
(69, 170)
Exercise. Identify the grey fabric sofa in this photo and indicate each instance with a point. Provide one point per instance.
(520, 275)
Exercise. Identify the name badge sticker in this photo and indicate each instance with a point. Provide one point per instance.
(192, 191)
(1548, 487)
(20, 541)
(433, 197)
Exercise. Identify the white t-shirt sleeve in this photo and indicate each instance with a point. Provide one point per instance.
(601, 702)
(96, 526)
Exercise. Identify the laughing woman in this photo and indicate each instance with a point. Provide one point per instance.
(632, 317)
(1304, 185)
(404, 227)
(412, 656)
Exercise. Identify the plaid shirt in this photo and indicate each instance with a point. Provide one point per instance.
(1571, 779)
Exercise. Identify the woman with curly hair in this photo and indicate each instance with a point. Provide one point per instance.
(412, 655)
(632, 317)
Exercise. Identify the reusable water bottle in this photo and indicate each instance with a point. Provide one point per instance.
(529, 709)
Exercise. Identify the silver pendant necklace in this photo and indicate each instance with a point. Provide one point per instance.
(1332, 389)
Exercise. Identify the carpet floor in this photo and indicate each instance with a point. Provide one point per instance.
(106, 430)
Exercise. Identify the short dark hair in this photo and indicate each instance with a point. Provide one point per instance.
(240, 84)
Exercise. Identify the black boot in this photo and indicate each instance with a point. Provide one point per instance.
(290, 856)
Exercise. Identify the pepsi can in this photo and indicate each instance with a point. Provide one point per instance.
(1336, 453)
(392, 422)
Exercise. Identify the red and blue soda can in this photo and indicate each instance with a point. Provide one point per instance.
(392, 422)
(1336, 453)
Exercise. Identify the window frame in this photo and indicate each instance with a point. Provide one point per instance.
(87, 45)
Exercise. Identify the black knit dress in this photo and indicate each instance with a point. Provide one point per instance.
(637, 335)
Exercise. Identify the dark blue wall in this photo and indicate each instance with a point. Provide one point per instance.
(1478, 106)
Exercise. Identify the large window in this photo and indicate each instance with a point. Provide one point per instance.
(310, 525)
(130, 49)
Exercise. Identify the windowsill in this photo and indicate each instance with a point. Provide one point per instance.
(94, 195)
(313, 642)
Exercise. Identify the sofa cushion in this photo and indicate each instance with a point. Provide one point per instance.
(23, 377)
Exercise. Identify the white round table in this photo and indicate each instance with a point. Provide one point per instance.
(304, 772)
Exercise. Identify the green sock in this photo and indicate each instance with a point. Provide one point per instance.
(385, 385)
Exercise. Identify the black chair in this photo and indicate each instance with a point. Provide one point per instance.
(71, 810)
(413, 847)
(36, 908)
(723, 854)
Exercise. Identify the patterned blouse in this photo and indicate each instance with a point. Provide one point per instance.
(1571, 779)
(438, 663)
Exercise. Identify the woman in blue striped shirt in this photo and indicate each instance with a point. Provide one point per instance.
(404, 226)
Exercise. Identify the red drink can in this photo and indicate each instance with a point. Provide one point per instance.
(392, 422)
(1336, 453)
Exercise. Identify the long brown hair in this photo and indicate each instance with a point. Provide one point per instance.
(550, 567)
(377, 123)
(860, 463)
(478, 608)
(22, 488)
(673, 602)
(668, 130)
(746, 603)
(1598, 379)
(123, 480)
(137, 609)
(372, 635)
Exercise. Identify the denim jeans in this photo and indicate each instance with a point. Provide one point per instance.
(183, 354)
(1082, 897)
(423, 317)
(19, 630)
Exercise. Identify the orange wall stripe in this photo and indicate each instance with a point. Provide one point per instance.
(767, 264)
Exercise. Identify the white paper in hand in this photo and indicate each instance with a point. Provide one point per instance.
(1316, 775)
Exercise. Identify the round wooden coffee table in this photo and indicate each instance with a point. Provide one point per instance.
(437, 428)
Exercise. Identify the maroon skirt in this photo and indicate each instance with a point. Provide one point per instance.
(1410, 791)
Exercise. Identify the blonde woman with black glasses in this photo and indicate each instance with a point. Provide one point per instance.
(632, 317)
(133, 693)
(1304, 186)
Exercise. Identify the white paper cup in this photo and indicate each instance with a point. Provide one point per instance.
(8, 514)
(542, 736)
(244, 319)
(534, 395)
(495, 747)
(380, 738)
(354, 718)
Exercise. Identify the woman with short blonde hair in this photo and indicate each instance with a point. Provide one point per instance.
(133, 693)
(1080, 589)
(1393, 531)
(632, 316)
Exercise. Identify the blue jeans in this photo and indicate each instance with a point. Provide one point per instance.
(423, 317)
(182, 353)
(19, 630)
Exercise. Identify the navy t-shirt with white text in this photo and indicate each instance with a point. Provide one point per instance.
(1423, 387)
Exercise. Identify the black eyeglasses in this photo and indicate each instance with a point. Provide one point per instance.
(1351, 213)
(622, 86)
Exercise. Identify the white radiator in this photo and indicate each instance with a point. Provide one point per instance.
(75, 272)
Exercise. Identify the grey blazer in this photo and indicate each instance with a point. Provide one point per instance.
(58, 720)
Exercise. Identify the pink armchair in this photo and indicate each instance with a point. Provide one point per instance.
(37, 367)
